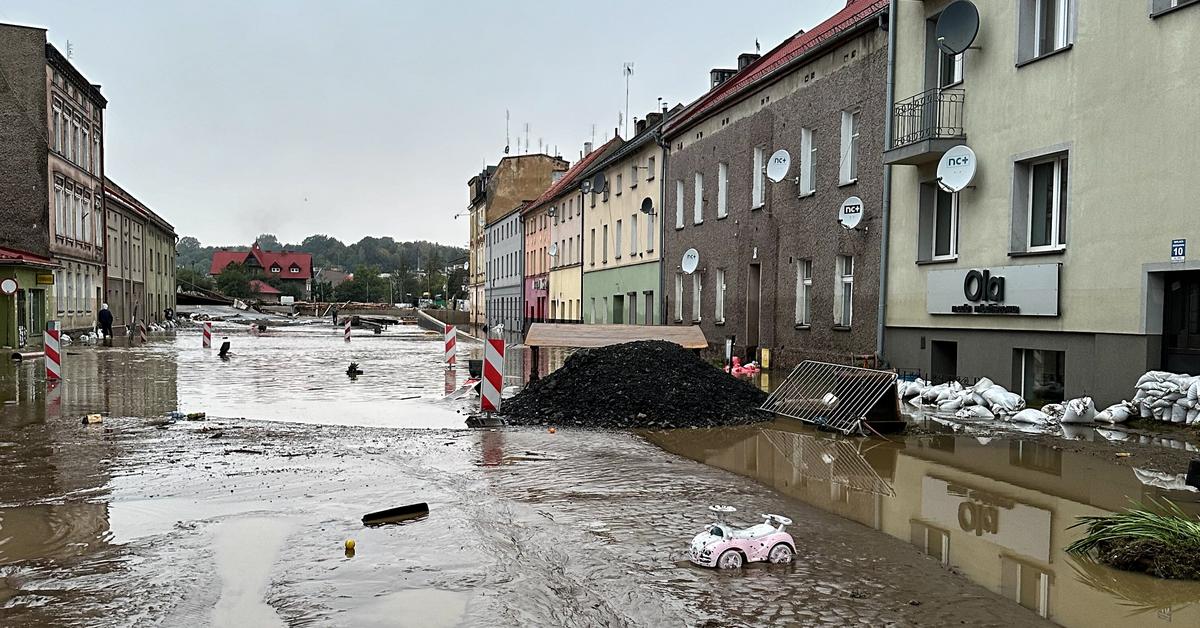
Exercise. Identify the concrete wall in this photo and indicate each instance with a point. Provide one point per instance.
(518, 179)
(601, 289)
(788, 227)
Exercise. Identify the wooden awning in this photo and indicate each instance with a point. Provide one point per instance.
(588, 336)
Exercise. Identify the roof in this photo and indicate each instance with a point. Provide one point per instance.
(572, 174)
(635, 143)
(14, 257)
(285, 260)
(60, 61)
(589, 336)
(112, 189)
(261, 287)
(854, 14)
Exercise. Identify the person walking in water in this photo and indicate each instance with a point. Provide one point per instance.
(105, 318)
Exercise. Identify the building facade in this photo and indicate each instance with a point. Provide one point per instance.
(536, 222)
(776, 271)
(621, 269)
(51, 174)
(140, 247)
(505, 274)
(1062, 269)
(477, 188)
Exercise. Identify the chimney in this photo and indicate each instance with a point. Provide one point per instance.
(587, 148)
(719, 75)
(746, 58)
(652, 119)
(638, 126)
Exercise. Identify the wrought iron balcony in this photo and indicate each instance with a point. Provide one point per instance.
(925, 126)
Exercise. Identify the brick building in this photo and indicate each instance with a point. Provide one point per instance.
(777, 271)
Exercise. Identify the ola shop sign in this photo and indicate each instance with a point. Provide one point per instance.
(1027, 290)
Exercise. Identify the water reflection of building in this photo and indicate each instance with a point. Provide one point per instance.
(998, 512)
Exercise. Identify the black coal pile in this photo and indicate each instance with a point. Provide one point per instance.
(644, 384)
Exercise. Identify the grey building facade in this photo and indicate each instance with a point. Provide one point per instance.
(505, 274)
(777, 271)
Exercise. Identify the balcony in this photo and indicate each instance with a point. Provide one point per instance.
(925, 126)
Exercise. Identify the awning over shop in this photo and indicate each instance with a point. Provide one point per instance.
(589, 336)
(13, 257)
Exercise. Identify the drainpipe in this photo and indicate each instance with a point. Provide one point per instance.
(887, 181)
(662, 220)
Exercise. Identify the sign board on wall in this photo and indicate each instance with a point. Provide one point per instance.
(1030, 290)
(45, 279)
(1178, 250)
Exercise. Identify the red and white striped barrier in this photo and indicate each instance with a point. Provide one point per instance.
(142, 332)
(451, 350)
(53, 350)
(207, 335)
(493, 374)
(54, 399)
(347, 332)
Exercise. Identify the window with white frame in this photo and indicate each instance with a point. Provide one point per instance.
(60, 208)
(650, 168)
(617, 240)
(757, 174)
(604, 246)
(697, 286)
(698, 206)
(85, 146)
(592, 247)
(849, 161)
(57, 127)
(1045, 27)
(650, 233)
(804, 282)
(945, 225)
(633, 176)
(679, 296)
(843, 312)
(78, 214)
(722, 189)
(719, 315)
(633, 235)
(808, 162)
(950, 68)
(619, 184)
(85, 218)
(1047, 203)
(679, 204)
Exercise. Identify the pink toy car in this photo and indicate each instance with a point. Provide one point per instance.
(722, 546)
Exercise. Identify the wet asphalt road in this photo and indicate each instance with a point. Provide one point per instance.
(240, 520)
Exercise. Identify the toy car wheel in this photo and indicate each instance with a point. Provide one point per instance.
(780, 554)
(729, 559)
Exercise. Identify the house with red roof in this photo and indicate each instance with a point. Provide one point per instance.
(292, 271)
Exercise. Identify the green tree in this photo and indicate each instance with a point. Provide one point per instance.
(234, 281)
(268, 242)
(189, 279)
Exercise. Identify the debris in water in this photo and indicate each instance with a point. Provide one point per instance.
(92, 419)
(643, 384)
(399, 514)
(349, 548)
(353, 370)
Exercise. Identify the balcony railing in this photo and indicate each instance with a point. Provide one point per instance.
(931, 115)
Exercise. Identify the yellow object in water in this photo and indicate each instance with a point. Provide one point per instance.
(349, 545)
(765, 354)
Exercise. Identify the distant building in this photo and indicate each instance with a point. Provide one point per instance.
(292, 269)
(141, 259)
(51, 182)
(333, 276)
(265, 291)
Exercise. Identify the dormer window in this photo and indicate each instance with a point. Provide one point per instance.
(295, 270)
(275, 268)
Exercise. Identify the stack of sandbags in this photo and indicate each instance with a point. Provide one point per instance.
(1172, 397)
(983, 400)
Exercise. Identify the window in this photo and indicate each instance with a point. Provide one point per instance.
(570, 250)
(650, 233)
(679, 204)
(617, 241)
(678, 296)
(1047, 204)
(633, 176)
(592, 315)
(804, 292)
(592, 246)
(619, 184)
(96, 152)
(633, 235)
(85, 149)
(74, 156)
(593, 195)
(950, 68)
(1042, 375)
(697, 285)
(85, 218)
(756, 188)
(650, 169)
(722, 189)
(1045, 27)
(275, 268)
(604, 245)
(945, 225)
(698, 206)
(1162, 6)
(843, 312)
(720, 313)
(60, 208)
(849, 160)
(808, 165)
(58, 122)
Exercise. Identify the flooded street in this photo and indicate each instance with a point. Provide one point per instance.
(241, 519)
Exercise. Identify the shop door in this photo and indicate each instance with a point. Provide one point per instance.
(633, 311)
(1181, 322)
(37, 315)
(943, 361)
(618, 309)
(753, 309)
(650, 309)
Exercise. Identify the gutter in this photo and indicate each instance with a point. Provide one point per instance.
(660, 139)
(887, 183)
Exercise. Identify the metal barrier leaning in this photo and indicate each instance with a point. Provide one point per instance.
(838, 397)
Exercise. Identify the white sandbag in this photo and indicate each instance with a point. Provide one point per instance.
(1182, 381)
(978, 400)
(982, 385)
(1030, 415)
(945, 395)
(930, 394)
(1012, 402)
(955, 385)
(1192, 416)
(1152, 376)
(1054, 410)
(1144, 410)
(1081, 410)
(950, 405)
(1159, 404)
(994, 395)
(1178, 414)
(974, 412)
(1116, 413)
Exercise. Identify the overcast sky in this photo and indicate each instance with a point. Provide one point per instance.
(353, 118)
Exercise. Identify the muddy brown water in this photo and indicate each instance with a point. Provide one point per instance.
(240, 520)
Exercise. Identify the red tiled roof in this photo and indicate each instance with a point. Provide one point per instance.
(13, 256)
(853, 14)
(262, 287)
(284, 259)
(573, 172)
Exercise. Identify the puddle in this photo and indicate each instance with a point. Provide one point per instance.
(418, 608)
(996, 511)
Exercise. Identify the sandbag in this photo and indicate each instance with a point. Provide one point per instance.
(1192, 416)
(1054, 410)
(1030, 415)
(1178, 414)
(1080, 410)
(950, 405)
(1152, 376)
(1116, 413)
(975, 412)
(982, 385)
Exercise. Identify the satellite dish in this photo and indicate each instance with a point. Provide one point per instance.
(550, 212)
(957, 27)
(850, 213)
(956, 168)
(691, 260)
(647, 206)
(553, 250)
(778, 165)
(599, 183)
(586, 186)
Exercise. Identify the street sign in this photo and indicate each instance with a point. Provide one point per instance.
(1178, 250)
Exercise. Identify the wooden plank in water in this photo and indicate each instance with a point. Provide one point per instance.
(589, 336)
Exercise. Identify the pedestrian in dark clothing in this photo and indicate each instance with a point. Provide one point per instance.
(105, 319)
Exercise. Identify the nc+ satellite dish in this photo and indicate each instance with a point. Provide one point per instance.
(956, 169)
(850, 213)
(957, 27)
(690, 261)
(778, 165)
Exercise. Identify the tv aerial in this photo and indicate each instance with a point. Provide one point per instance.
(957, 27)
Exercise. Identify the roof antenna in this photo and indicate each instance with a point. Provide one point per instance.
(506, 138)
(70, 49)
(628, 73)
(757, 48)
